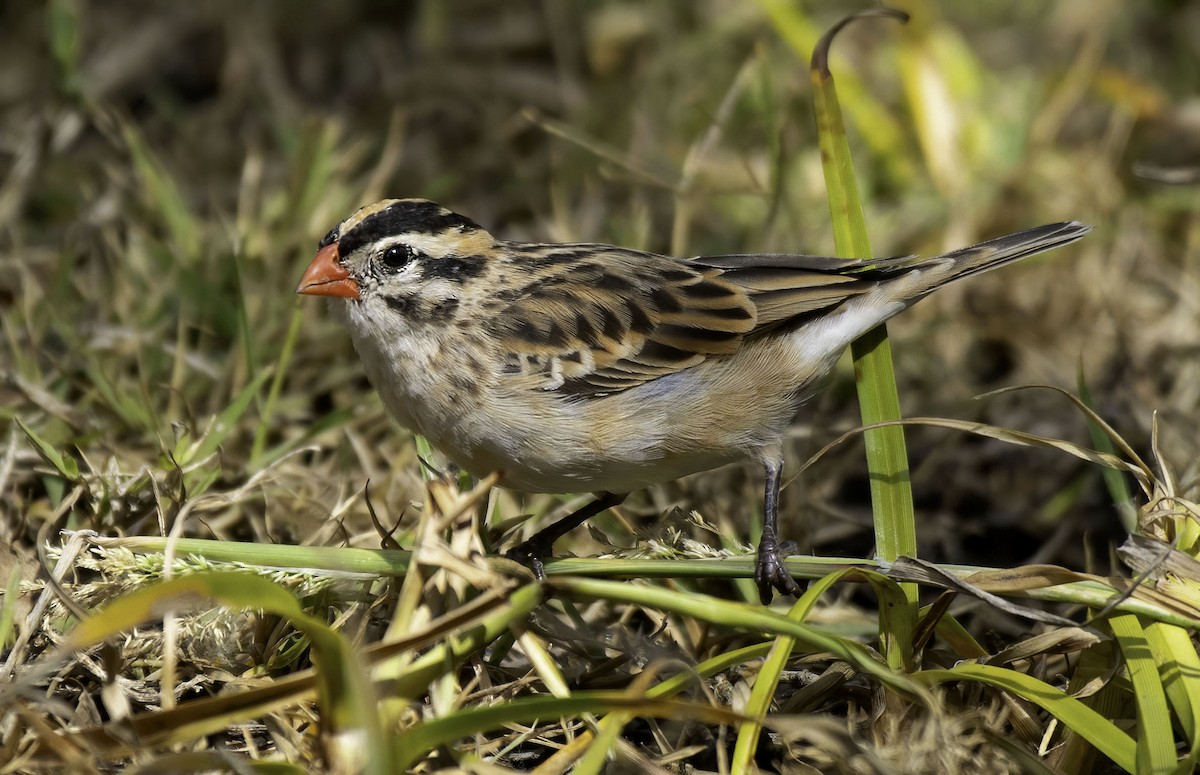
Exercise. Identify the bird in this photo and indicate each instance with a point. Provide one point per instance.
(587, 367)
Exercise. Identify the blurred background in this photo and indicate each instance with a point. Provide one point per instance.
(167, 168)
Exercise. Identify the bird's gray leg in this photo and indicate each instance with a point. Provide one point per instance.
(770, 572)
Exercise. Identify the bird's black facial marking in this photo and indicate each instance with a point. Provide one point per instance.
(454, 268)
(403, 217)
(402, 303)
(330, 237)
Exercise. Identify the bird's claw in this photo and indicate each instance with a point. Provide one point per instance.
(530, 555)
(771, 574)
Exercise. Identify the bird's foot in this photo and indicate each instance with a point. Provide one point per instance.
(530, 554)
(771, 574)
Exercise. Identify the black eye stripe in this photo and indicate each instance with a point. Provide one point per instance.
(454, 268)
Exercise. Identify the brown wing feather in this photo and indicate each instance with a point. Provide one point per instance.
(790, 288)
(620, 318)
(617, 319)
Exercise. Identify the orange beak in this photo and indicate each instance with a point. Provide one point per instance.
(326, 276)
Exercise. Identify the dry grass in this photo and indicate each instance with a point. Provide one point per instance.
(166, 169)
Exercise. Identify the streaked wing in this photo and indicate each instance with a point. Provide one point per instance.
(598, 319)
(788, 289)
(619, 318)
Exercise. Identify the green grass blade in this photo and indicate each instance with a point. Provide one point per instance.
(459, 635)
(595, 759)
(768, 677)
(416, 677)
(1179, 666)
(417, 741)
(1099, 731)
(1074, 754)
(349, 720)
(63, 32)
(336, 418)
(65, 465)
(708, 667)
(280, 370)
(164, 197)
(876, 121)
(225, 422)
(959, 639)
(425, 453)
(1155, 738)
(124, 403)
(737, 616)
(8, 609)
(879, 400)
(1056, 585)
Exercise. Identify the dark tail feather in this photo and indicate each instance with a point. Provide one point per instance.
(997, 252)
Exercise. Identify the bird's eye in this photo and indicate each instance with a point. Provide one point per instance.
(397, 257)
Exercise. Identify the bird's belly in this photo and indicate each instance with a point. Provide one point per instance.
(615, 444)
(566, 473)
(682, 423)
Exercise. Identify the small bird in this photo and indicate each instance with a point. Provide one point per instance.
(593, 368)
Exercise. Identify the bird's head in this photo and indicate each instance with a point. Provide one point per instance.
(412, 255)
